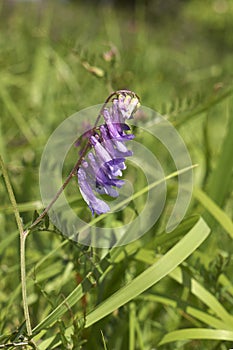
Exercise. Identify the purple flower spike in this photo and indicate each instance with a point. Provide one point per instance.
(98, 174)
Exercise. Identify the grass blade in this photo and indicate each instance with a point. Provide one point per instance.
(214, 210)
(200, 333)
(204, 295)
(200, 315)
(221, 179)
(153, 274)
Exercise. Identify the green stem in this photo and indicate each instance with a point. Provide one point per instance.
(23, 236)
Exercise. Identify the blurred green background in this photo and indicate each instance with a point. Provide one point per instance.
(57, 57)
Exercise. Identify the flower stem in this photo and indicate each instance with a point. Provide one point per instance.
(61, 189)
(23, 236)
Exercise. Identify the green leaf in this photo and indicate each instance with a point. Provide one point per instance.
(221, 178)
(214, 210)
(88, 282)
(153, 274)
(203, 294)
(197, 333)
(211, 102)
(7, 241)
(16, 115)
(200, 315)
(62, 308)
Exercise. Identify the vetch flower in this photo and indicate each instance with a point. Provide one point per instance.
(111, 145)
(95, 204)
(99, 171)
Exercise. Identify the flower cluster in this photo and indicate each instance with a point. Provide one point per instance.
(99, 171)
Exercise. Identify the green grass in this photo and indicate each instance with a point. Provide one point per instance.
(165, 290)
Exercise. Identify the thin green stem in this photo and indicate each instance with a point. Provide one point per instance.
(23, 282)
(23, 235)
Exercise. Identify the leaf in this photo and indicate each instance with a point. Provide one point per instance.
(200, 315)
(15, 114)
(211, 101)
(197, 333)
(88, 282)
(214, 210)
(221, 178)
(204, 295)
(46, 221)
(153, 274)
(62, 308)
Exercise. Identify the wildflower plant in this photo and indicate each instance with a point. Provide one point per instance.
(103, 137)
(103, 151)
(99, 172)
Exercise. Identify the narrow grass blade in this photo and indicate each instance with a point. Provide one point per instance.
(74, 296)
(197, 289)
(103, 339)
(153, 274)
(221, 179)
(8, 240)
(226, 283)
(16, 115)
(204, 295)
(23, 207)
(200, 315)
(62, 308)
(197, 333)
(214, 210)
(132, 326)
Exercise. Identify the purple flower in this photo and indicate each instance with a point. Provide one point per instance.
(111, 145)
(115, 129)
(94, 203)
(99, 172)
(105, 158)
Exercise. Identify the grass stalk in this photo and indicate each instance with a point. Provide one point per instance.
(23, 236)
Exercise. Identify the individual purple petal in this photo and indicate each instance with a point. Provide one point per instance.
(117, 152)
(113, 131)
(117, 163)
(119, 121)
(111, 128)
(120, 146)
(110, 145)
(104, 132)
(116, 114)
(104, 157)
(96, 205)
(101, 152)
(101, 176)
(107, 189)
